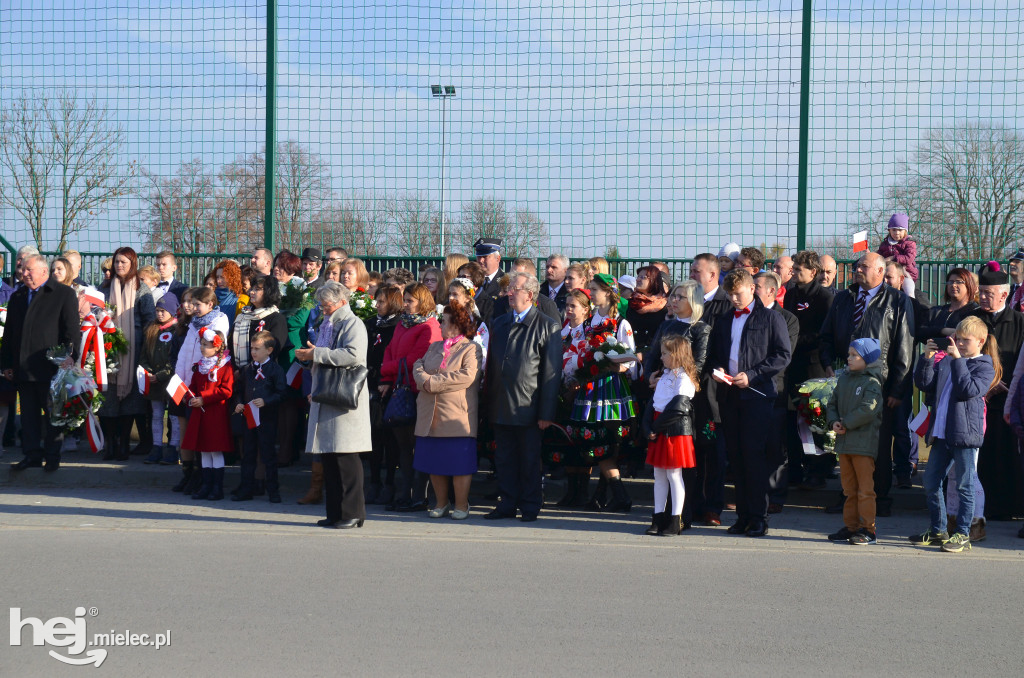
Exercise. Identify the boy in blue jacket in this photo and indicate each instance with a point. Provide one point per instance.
(263, 386)
(958, 385)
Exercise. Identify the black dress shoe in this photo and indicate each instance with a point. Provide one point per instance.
(758, 528)
(51, 465)
(498, 515)
(326, 522)
(26, 463)
(413, 506)
(347, 524)
(242, 496)
(740, 527)
(274, 498)
(527, 519)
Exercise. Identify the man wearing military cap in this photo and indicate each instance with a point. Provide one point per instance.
(488, 255)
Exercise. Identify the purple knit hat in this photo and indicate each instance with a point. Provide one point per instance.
(899, 220)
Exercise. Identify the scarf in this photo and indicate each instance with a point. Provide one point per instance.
(387, 320)
(201, 321)
(413, 319)
(227, 300)
(641, 303)
(447, 351)
(123, 297)
(212, 364)
(240, 334)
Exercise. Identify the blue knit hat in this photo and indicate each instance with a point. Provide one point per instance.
(867, 348)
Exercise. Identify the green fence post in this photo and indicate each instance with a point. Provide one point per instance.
(805, 100)
(270, 164)
(8, 260)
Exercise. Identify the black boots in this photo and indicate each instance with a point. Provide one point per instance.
(599, 499)
(621, 503)
(109, 427)
(207, 487)
(657, 524)
(673, 527)
(213, 484)
(572, 490)
(124, 433)
(144, 425)
(187, 469)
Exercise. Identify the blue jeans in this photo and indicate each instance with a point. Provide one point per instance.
(942, 457)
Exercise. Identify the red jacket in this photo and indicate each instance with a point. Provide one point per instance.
(209, 429)
(410, 343)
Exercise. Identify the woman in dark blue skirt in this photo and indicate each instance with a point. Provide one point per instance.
(448, 379)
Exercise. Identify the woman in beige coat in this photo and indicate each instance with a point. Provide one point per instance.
(334, 435)
(448, 378)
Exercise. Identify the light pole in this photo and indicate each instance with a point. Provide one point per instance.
(443, 93)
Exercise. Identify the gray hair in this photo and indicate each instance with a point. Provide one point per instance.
(559, 257)
(694, 294)
(332, 293)
(27, 250)
(532, 285)
(31, 259)
(772, 277)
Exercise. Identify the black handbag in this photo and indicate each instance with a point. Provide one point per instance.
(340, 386)
(401, 408)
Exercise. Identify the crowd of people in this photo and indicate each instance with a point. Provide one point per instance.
(398, 384)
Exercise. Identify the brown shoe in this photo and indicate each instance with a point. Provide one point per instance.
(316, 485)
(977, 529)
(712, 519)
(774, 508)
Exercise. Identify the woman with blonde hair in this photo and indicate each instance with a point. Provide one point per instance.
(354, 275)
(578, 276)
(599, 265)
(450, 271)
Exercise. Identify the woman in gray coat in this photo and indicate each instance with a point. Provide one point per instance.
(335, 435)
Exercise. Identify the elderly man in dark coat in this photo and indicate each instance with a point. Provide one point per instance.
(41, 314)
(523, 369)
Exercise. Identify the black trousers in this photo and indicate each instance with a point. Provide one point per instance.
(39, 438)
(883, 464)
(746, 444)
(411, 484)
(778, 459)
(259, 443)
(518, 466)
(343, 486)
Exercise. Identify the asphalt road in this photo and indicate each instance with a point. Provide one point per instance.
(256, 589)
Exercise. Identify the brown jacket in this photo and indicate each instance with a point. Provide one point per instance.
(447, 403)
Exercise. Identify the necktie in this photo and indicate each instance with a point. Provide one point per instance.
(858, 308)
(31, 293)
(552, 293)
(737, 314)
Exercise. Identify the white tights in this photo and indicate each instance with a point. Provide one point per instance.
(213, 459)
(663, 479)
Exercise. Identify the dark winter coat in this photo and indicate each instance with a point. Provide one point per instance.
(971, 378)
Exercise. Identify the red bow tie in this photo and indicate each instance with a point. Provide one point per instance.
(737, 314)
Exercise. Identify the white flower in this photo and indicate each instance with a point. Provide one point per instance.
(598, 355)
(613, 353)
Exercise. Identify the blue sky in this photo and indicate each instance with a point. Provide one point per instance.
(666, 128)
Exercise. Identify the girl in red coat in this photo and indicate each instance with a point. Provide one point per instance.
(209, 431)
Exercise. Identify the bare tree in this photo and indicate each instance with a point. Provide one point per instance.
(523, 232)
(180, 210)
(416, 231)
(359, 224)
(834, 246)
(963, 188)
(65, 144)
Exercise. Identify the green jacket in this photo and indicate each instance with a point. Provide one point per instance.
(857, 403)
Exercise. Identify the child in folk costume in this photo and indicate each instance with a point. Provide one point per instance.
(574, 350)
(209, 431)
(160, 348)
(604, 407)
(668, 423)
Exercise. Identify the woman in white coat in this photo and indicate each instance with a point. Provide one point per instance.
(335, 435)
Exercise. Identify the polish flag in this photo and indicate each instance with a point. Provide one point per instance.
(94, 296)
(144, 378)
(177, 390)
(720, 374)
(294, 376)
(860, 241)
(252, 415)
(920, 423)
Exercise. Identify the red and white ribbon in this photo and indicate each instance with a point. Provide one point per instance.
(93, 431)
(93, 330)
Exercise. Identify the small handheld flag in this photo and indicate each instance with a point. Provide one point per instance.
(252, 415)
(177, 390)
(144, 378)
(294, 376)
(860, 241)
(921, 422)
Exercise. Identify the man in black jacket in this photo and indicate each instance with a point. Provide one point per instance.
(554, 285)
(523, 368)
(810, 303)
(488, 255)
(711, 458)
(766, 286)
(870, 308)
(41, 314)
(749, 348)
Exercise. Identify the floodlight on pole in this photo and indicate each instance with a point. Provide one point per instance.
(443, 93)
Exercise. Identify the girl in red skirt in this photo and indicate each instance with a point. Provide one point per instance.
(668, 423)
(209, 430)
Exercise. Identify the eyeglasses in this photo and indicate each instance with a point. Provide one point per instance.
(956, 283)
(677, 297)
(513, 290)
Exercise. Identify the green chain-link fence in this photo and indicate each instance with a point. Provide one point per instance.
(654, 129)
